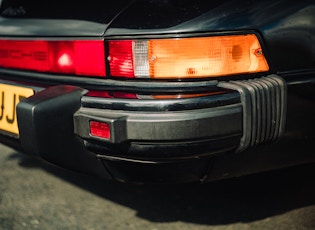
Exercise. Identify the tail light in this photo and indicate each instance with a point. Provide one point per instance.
(187, 57)
(173, 58)
(79, 57)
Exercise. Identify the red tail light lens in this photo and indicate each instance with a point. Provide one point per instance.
(62, 57)
(120, 58)
(79, 57)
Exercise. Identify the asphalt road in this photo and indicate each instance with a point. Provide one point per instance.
(36, 195)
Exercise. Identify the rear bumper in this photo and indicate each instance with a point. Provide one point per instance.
(163, 129)
(249, 113)
(151, 140)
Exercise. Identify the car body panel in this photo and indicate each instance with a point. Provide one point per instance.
(48, 28)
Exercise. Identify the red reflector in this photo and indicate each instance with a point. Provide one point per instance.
(100, 129)
(78, 57)
(120, 58)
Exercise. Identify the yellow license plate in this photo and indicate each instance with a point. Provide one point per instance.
(10, 96)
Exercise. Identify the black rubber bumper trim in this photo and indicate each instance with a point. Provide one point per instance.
(165, 105)
(264, 108)
(164, 151)
(179, 171)
(44, 114)
(45, 123)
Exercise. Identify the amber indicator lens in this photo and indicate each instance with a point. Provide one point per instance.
(205, 57)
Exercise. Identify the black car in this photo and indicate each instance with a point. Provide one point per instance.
(159, 90)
